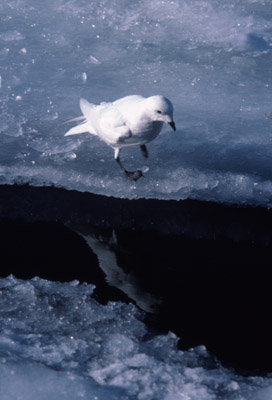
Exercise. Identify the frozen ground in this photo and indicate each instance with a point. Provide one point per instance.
(212, 60)
(57, 342)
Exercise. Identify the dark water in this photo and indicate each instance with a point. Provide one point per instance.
(198, 269)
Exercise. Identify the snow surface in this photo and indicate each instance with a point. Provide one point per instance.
(57, 342)
(212, 60)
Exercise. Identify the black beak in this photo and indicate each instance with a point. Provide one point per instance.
(172, 124)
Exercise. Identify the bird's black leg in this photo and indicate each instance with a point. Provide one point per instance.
(133, 175)
(144, 150)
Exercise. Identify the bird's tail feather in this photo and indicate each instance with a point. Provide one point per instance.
(78, 129)
(86, 125)
(75, 119)
(86, 108)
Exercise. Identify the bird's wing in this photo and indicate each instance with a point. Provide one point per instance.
(105, 121)
(111, 125)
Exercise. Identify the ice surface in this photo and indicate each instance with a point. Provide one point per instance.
(57, 342)
(212, 60)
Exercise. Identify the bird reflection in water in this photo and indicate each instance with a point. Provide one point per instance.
(201, 289)
(107, 250)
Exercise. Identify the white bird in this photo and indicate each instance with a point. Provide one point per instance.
(129, 121)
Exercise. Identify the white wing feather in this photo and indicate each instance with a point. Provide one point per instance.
(104, 120)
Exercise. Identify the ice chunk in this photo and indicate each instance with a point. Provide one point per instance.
(57, 342)
(32, 381)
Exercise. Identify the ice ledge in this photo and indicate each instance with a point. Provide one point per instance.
(195, 218)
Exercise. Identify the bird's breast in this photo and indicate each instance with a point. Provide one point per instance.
(147, 131)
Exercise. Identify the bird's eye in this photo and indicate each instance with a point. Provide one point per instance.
(159, 112)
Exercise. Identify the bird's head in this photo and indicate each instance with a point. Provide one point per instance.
(160, 109)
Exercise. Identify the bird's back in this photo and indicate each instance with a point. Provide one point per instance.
(128, 100)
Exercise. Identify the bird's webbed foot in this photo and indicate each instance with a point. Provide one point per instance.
(133, 175)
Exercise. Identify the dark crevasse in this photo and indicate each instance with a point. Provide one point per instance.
(198, 269)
